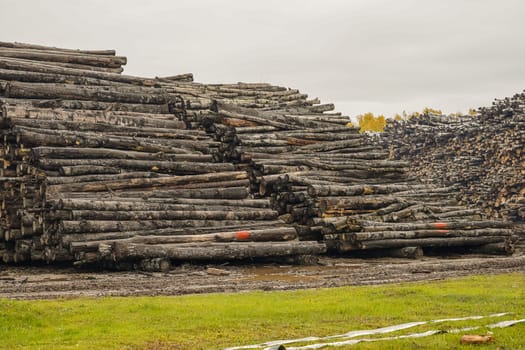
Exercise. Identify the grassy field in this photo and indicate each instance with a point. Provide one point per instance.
(215, 321)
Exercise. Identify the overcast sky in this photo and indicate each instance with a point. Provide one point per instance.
(378, 56)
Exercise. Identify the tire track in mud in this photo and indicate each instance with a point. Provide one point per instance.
(45, 282)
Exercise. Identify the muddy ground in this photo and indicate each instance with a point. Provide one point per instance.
(43, 282)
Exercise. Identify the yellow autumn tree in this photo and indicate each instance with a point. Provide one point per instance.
(473, 112)
(425, 111)
(428, 110)
(368, 122)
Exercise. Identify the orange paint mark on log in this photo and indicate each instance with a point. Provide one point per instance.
(441, 225)
(242, 235)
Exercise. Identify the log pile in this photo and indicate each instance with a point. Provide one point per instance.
(110, 169)
(92, 60)
(101, 168)
(481, 156)
(329, 182)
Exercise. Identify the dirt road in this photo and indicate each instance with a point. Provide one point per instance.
(53, 282)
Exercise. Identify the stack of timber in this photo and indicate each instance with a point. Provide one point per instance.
(105, 168)
(46, 77)
(100, 167)
(92, 60)
(482, 156)
(330, 182)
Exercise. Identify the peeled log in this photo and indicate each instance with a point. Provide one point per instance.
(216, 251)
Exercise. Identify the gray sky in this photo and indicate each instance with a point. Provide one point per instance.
(378, 56)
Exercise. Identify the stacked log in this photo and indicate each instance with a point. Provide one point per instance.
(482, 156)
(122, 185)
(99, 167)
(110, 169)
(324, 177)
(191, 211)
(94, 60)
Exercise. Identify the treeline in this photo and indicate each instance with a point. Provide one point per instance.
(368, 122)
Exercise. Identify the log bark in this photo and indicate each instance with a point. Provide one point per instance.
(108, 116)
(170, 204)
(79, 92)
(231, 226)
(169, 167)
(57, 180)
(106, 153)
(37, 77)
(184, 180)
(152, 194)
(420, 242)
(216, 251)
(75, 66)
(39, 67)
(113, 215)
(164, 108)
(382, 235)
(17, 45)
(109, 61)
(32, 136)
(267, 235)
(87, 226)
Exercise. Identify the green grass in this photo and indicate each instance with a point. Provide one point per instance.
(214, 321)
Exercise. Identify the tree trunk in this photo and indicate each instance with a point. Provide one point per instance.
(216, 251)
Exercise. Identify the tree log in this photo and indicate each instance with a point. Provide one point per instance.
(420, 242)
(267, 235)
(78, 92)
(17, 45)
(216, 251)
(109, 61)
(113, 215)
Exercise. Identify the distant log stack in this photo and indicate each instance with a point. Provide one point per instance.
(326, 179)
(482, 156)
